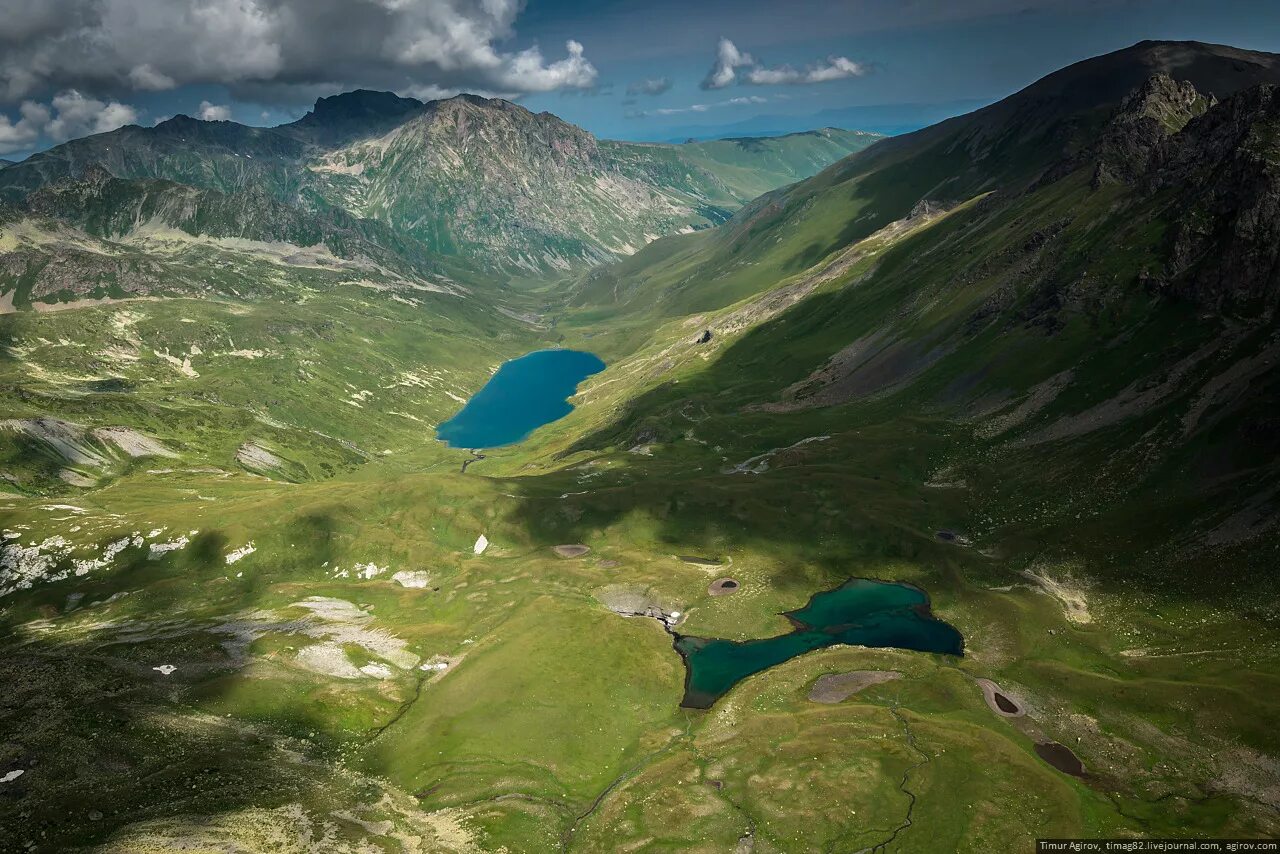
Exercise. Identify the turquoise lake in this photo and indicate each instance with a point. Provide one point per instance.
(524, 394)
(859, 612)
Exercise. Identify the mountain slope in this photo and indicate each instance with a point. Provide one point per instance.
(102, 236)
(1112, 299)
(1005, 147)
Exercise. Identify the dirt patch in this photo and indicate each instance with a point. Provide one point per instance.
(759, 464)
(257, 458)
(571, 551)
(837, 687)
(724, 587)
(1000, 701)
(700, 561)
(132, 442)
(1074, 604)
(608, 564)
(68, 440)
(1061, 757)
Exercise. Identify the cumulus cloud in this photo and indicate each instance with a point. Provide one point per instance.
(650, 86)
(214, 112)
(20, 135)
(75, 115)
(699, 108)
(729, 59)
(260, 47)
(69, 115)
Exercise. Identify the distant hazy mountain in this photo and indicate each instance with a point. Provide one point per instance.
(483, 179)
(887, 119)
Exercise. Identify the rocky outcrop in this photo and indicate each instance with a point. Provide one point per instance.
(1208, 173)
(1223, 171)
(1133, 137)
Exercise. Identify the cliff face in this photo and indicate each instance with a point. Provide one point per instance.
(1208, 174)
(1224, 170)
(1159, 108)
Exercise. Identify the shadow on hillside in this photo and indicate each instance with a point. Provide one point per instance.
(104, 740)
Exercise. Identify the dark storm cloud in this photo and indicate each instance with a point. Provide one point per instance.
(274, 47)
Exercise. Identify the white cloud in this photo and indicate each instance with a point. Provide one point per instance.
(69, 115)
(729, 59)
(282, 47)
(20, 135)
(650, 86)
(526, 71)
(834, 68)
(214, 112)
(700, 108)
(75, 115)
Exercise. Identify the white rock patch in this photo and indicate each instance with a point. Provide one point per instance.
(242, 552)
(156, 550)
(416, 580)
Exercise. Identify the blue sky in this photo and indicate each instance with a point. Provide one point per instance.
(620, 68)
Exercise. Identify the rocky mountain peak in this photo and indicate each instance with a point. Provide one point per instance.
(351, 115)
(466, 119)
(1145, 118)
(361, 104)
(1170, 102)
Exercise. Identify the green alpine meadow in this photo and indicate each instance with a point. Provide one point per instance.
(428, 473)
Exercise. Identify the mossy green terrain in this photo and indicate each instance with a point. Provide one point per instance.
(887, 363)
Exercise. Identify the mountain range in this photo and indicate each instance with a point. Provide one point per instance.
(1021, 361)
(485, 180)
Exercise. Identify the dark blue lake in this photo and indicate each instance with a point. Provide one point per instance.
(523, 395)
(860, 612)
